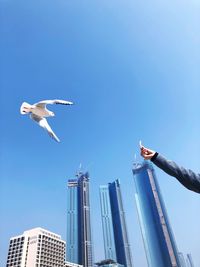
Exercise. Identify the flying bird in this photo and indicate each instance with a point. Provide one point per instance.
(38, 112)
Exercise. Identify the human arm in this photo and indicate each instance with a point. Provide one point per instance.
(187, 177)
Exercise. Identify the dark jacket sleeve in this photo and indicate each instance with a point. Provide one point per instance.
(187, 177)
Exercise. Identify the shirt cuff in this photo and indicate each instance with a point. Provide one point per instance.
(154, 156)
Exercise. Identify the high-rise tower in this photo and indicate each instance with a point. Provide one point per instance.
(72, 222)
(189, 260)
(79, 240)
(182, 259)
(107, 223)
(159, 242)
(116, 243)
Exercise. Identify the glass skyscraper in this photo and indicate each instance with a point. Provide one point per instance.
(182, 259)
(116, 243)
(107, 223)
(159, 242)
(79, 240)
(189, 261)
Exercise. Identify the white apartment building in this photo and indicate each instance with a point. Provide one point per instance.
(36, 248)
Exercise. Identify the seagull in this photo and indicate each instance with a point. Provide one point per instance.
(38, 112)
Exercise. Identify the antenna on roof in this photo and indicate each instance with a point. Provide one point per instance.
(80, 166)
(79, 171)
(135, 162)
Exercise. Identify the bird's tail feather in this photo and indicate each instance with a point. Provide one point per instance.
(25, 108)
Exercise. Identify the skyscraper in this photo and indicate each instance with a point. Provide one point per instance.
(182, 259)
(189, 261)
(107, 223)
(36, 247)
(79, 240)
(72, 222)
(116, 243)
(159, 242)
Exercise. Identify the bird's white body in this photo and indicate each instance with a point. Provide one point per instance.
(38, 112)
(42, 112)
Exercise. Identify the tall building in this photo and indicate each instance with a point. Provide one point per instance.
(107, 223)
(36, 248)
(159, 242)
(79, 239)
(182, 259)
(72, 222)
(116, 243)
(189, 261)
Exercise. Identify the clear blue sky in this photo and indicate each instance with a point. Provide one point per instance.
(132, 68)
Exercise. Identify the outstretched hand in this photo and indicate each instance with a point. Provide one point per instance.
(146, 153)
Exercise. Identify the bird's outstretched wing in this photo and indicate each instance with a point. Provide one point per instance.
(44, 124)
(43, 103)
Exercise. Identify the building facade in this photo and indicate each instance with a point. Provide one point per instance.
(189, 260)
(36, 248)
(72, 222)
(116, 242)
(79, 238)
(159, 242)
(182, 259)
(107, 224)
